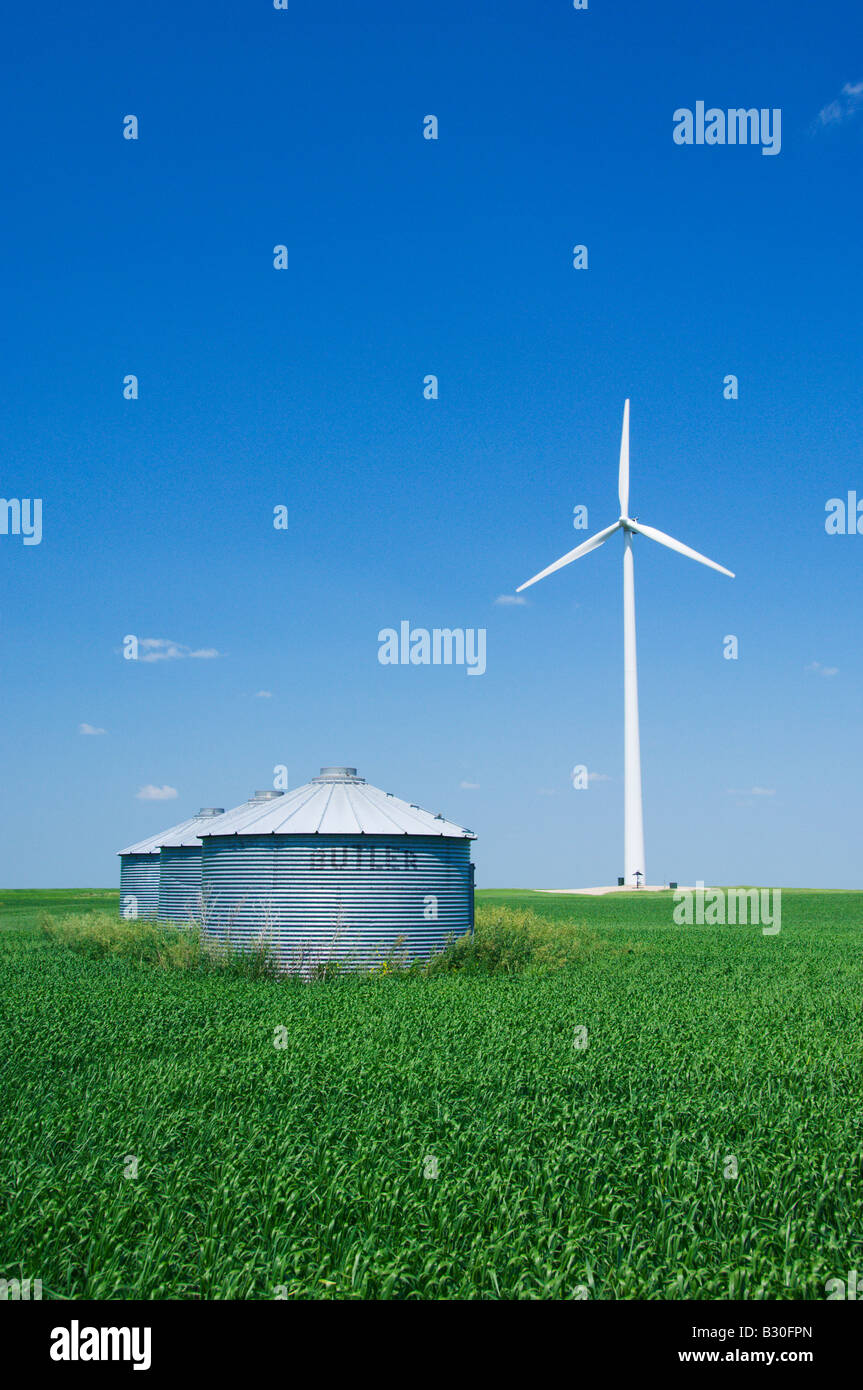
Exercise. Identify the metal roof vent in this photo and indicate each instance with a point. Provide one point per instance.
(338, 774)
(212, 811)
(266, 795)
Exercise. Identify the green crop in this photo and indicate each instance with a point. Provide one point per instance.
(588, 1100)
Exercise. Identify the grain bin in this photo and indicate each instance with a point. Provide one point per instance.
(337, 869)
(139, 882)
(139, 872)
(180, 868)
(140, 866)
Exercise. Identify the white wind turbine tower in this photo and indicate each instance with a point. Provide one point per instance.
(633, 855)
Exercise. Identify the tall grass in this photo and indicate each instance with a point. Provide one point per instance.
(512, 941)
(165, 946)
(506, 941)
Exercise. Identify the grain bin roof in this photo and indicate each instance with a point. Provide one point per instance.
(187, 832)
(190, 833)
(338, 802)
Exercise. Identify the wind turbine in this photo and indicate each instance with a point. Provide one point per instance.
(633, 819)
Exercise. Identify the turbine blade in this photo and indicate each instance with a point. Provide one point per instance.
(654, 535)
(599, 539)
(623, 477)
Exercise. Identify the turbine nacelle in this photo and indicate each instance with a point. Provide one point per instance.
(624, 522)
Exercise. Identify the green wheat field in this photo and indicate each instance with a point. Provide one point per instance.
(438, 1135)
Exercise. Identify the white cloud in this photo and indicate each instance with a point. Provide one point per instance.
(511, 601)
(263, 694)
(546, 791)
(469, 786)
(817, 669)
(163, 649)
(151, 793)
(753, 791)
(90, 729)
(843, 108)
(598, 777)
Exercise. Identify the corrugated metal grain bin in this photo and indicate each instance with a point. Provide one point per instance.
(337, 869)
(139, 883)
(139, 872)
(180, 868)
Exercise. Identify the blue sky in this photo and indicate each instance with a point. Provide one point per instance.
(305, 388)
